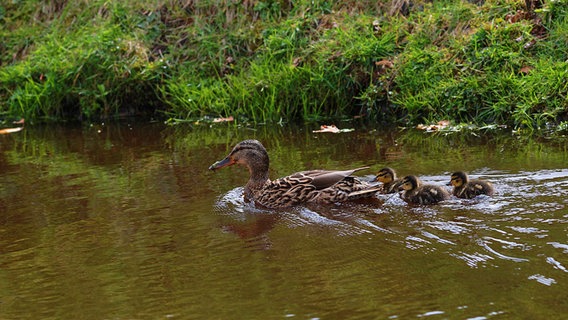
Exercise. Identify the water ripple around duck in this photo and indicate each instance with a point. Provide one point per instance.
(512, 226)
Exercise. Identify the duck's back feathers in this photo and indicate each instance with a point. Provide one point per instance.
(426, 194)
(321, 179)
(473, 189)
(417, 193)
(320, 186)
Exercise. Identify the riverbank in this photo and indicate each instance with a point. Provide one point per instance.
(398, 62)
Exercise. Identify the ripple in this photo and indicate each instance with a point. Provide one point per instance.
(556, 264)
(485, 245)
(504, 228)
(473, 259)
(542, 279)
(558, 245)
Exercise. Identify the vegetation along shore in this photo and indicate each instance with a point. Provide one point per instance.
(393, 61)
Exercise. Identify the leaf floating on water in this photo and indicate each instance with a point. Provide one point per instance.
(229, 119)
(331, 128)
(10, 130)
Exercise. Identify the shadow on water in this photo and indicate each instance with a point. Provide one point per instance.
(125, 221)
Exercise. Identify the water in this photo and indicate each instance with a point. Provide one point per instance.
(125, 222)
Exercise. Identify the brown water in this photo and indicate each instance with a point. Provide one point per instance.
(125, 222)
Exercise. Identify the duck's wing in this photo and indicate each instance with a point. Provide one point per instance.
(322, 179)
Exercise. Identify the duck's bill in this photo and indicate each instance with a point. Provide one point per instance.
(220, 164)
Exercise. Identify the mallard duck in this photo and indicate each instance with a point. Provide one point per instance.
(388, 177)
(323, 186)
(468, 189)
(415, 192)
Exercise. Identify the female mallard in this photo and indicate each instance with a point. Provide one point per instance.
(321, 186)
(417, 193)
(468, 189)
(388, 177)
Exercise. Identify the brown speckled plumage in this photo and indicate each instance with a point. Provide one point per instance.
(322, 186)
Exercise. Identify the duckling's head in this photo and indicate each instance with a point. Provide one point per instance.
(458, 179)
(249, 153)
(410, 183)
(386, 175)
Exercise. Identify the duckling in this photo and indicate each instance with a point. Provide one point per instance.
(322, 186)
(388, 177)
(417, 193)
(468, 189)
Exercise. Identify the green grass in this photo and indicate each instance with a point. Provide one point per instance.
(396, 62)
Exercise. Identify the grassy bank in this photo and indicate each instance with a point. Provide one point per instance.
(393, 61)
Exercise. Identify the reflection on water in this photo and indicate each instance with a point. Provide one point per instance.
(125, 221)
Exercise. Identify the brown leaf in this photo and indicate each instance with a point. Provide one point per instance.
(526, 69)
(332, 128)
(529, 44)
(297, 61)
(442, 124)
(327, 128)
(384, 64)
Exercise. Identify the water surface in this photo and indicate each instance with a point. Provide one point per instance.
(124, 221)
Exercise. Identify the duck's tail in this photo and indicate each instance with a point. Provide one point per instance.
(365, 193)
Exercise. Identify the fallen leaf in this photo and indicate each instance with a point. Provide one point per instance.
(229, 119)
(376, 25)
(21, 121)
(331, 128)
(526, 69)
(296, 62)
(442, 124)
(325, 128)
(10, 130)
(384, 64)
(529, 44)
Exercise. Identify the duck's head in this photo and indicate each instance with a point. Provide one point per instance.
(410, 183)
(458, 179)
(249, 153)
(385, 175)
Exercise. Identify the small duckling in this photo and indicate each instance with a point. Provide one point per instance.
(417, 193)
(388, 177)
(468, 189)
